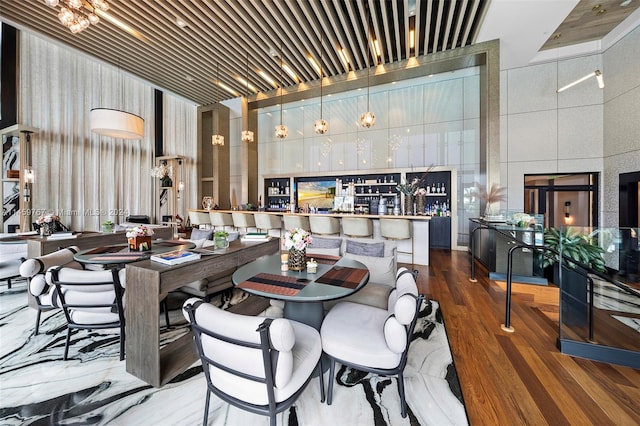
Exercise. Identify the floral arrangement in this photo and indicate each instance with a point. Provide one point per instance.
(297, 239)
(139, 231)
(162, 171)
(415, 187)
(47, 218)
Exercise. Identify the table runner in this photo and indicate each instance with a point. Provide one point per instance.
(343, 276)
(275, 284)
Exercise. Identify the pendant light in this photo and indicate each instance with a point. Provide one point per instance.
(368, 119)
(247, 135)
(321, 126)
(116, 123)
(217, 139)
(281, 130)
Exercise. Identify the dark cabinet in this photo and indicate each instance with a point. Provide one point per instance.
(440, 232)
(277, 194)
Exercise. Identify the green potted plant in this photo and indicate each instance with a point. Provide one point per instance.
(574, 286)
(220, 239)
(574, 245)
(107, 226)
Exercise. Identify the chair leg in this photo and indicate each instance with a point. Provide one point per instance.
(403, 401)
(165, 308)
(66, 345)
(38, 320)
(122, 337)
(206, 408)
(332, 370)
(321, 380)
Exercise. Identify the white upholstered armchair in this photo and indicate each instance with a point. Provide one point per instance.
(91, 300)
(257, 364)
(40, 286)
(372, 339)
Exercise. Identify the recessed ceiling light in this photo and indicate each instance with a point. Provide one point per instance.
(188, 78)
(625, 3)
(180, 23)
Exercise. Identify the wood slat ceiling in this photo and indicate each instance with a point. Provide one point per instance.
(228, 32)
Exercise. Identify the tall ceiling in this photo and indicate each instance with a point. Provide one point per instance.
(262, 38)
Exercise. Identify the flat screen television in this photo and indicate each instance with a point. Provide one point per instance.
(316, 193)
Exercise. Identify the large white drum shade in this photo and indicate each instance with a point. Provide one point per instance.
(115, 123)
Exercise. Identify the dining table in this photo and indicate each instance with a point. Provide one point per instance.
(303, 292)
(119, 254)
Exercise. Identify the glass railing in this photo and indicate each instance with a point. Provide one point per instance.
(599, 283)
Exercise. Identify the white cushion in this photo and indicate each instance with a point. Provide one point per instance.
(382, 270)
(355, 333)
(38, 265)
(372, 294)
(323, 251)
(395, 334)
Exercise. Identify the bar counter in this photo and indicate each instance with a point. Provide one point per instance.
(419, 247)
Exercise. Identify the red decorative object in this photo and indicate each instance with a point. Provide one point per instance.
(140, 243)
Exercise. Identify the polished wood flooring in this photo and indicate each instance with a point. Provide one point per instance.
(521, 377)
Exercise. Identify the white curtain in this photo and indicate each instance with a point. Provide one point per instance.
(85, 178)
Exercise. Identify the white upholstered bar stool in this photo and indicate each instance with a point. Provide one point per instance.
(324, 225)
(357, 227)
(199, 218)
(266, 222)
(397, 229)
(219, 219)
(243, 220)
(296, 221)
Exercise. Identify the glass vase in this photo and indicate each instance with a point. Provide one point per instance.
(297, 259)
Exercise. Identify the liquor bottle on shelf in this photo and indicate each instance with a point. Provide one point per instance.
(444, 191)
(286, 188)
(433, 188)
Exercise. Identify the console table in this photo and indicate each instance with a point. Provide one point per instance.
(148, 283)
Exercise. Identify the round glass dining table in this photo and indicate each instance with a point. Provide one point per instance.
(302, 292)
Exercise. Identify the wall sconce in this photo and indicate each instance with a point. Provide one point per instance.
(597, 74)
(567, 209)
(180, 189)
(28, 180)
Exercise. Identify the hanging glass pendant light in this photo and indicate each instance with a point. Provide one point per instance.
(247, 135)
(281, 130)
(217, 139)
(368, 119)
(321, 126)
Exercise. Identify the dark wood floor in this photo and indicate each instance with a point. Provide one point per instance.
(521, 377)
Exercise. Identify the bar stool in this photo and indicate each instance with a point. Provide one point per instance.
(243, 220)
(266, 222)
(218, 219)
(397, 229)
(199, 218)
(357, 227)
(324, 225)
(296, 221)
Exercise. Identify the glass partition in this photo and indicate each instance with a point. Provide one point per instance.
(600, 306)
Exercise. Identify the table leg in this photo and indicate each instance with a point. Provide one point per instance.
(310, 313)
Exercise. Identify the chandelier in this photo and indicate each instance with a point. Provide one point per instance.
(76, 15)
(217, 139)
(368, 119)
(321, 126)
(247, 135)
(281, 130)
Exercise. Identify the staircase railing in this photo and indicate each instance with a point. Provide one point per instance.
(586, 347)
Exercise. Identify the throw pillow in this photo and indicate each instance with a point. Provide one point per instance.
(381, 269)
(365, 249)
(201, 234)
(325, 246)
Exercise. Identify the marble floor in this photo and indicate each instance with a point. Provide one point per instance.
(92, 388)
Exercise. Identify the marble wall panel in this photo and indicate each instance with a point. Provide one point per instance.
(580, 132)
(532, 136)
(622, 123)
(585, 93)
(532, 88)
(621, 64)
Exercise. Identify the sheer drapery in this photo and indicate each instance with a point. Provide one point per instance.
(180, 136)
(83, 177)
